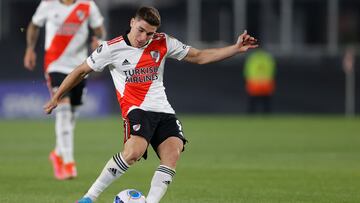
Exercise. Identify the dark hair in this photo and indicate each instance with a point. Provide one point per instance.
(150, 14)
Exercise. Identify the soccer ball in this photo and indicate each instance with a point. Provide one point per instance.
(130, 196)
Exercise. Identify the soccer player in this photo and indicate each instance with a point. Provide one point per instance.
(66, 34)
(136, 62)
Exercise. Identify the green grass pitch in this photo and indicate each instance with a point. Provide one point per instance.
(229, 159)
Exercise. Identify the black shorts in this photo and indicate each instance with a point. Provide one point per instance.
(153, 126)
(75, 94)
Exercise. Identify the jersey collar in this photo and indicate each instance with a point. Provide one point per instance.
(126, 39)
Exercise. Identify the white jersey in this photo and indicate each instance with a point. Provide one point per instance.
(66, 34)
(137, 73)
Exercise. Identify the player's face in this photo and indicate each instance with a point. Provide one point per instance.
(141, 32)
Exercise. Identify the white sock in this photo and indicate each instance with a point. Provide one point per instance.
(74, 116)
(64, 133)
(114, 168)
(161, 180)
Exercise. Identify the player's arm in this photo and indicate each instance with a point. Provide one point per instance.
(74, 78)
(32, 36)
(99, 34)
(205, 56)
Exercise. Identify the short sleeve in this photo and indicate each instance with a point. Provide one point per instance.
(95, 19)
(100, 58)
(176, 49)
(39, 18)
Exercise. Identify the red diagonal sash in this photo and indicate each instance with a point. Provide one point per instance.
(62, 40)
(134, 93)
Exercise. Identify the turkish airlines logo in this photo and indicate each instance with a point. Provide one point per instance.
(68, 29)
(155, 55)
(140, 75)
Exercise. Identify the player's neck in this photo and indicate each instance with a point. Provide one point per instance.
(67, 2)
(131, 39)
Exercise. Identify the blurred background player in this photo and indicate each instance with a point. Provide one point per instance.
(66, 35)
(259, 73)
(137, 61)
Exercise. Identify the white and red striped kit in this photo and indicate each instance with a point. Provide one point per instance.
(138, 72)
(66, 34)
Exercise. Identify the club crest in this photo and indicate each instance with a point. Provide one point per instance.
(137, 127)
(80, 14)
(155, 55)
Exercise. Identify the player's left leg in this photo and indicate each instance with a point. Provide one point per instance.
(168, 142)
(169, 152)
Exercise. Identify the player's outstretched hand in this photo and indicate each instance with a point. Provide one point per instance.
(49, 106)
(245, 42)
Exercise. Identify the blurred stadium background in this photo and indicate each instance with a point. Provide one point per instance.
(306, 152)
(307, 37)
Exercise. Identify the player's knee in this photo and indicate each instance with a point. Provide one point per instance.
(175, 155)
(132, 155)
(134, 149)
(171, 158)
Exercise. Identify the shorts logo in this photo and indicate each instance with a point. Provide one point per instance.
(137, 127)
(155, 55)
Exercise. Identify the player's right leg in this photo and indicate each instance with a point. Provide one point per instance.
(134, 149)
(136, 139)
